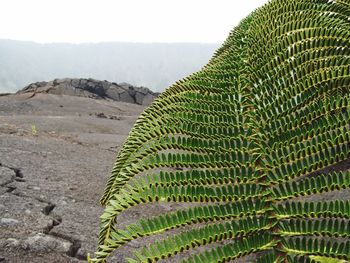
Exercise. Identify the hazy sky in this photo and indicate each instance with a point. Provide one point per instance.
(77, 21)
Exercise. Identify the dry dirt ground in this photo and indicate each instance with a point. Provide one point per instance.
(56, 153)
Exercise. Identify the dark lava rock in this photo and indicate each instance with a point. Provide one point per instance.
(92, 88)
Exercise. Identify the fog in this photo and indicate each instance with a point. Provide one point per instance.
(155, 66)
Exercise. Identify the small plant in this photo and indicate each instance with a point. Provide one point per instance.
(258, 133)
(34, 130)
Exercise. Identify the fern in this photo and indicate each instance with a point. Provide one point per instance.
(248, 143)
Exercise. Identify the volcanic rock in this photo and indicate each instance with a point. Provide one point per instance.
(92, 88)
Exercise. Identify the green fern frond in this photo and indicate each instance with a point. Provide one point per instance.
(333, 209)
(253, 149)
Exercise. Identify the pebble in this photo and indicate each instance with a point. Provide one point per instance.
(12, 242)
(27, 211)
(8, 221)
(46, 243)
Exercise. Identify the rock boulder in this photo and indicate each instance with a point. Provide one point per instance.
(92, 88)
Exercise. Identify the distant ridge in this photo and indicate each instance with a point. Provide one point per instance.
(92, 88)
(153, 65)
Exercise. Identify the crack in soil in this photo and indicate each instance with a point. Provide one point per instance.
(76, 245)
(18, 176)
(47, 210)
(10, 189)
(57, 220)
(17, 171)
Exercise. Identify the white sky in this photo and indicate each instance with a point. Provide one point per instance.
(77, 21)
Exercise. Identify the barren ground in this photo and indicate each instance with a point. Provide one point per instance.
(56, 154)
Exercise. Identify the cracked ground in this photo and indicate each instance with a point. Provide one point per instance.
(56, 153)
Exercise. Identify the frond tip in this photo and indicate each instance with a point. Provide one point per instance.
(249, 155)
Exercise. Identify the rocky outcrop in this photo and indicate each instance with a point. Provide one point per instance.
(92, 88)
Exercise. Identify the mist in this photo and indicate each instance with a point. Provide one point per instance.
(153, 65)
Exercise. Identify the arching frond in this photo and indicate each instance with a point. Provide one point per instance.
(254, 146)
